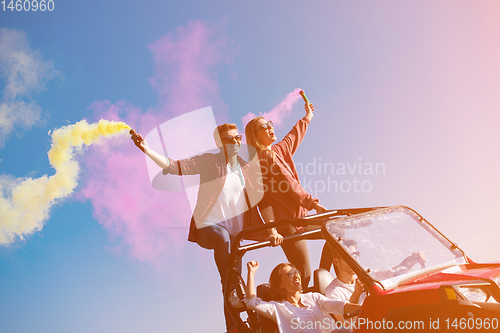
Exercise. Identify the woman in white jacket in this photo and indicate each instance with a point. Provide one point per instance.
(292, 310)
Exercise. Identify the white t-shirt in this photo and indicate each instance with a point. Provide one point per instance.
(231, 204)
(314, 318)
(340, 291)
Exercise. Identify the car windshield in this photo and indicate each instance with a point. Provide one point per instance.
(393, 244)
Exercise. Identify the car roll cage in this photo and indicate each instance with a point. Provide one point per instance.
(237, 251)
(235, 281)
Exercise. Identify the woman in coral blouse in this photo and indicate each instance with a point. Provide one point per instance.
(281, 182)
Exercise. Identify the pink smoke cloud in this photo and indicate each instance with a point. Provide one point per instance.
(186, 62)
(116, 182)
(280, 111)
(152, 225)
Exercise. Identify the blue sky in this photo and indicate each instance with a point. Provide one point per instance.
(413, 86)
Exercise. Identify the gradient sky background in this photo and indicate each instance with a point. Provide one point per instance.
(413, 85)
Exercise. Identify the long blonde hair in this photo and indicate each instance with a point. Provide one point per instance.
(251, 135)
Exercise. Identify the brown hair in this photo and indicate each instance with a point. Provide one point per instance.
(275, 282)
(219, 130)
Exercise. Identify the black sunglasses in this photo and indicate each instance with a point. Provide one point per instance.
(231, 138)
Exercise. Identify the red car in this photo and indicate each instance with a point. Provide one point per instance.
(416, 279)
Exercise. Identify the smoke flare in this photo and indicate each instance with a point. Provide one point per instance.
(27, 208)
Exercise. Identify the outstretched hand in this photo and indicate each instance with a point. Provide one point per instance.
(420, 258)
(138, 140)
(416, 257)
(409, 262)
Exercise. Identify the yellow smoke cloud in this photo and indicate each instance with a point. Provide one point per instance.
(27, 208)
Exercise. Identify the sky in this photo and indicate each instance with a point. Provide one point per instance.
(406, 113)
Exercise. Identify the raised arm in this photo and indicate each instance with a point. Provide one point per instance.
(252, 267)
(141, 143)
(402, 268)
(409, 262)
(267, 309)
(292, 140)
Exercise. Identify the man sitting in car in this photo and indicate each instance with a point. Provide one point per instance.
(346, 286)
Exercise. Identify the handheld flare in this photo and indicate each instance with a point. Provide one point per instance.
(137, 138)
(303, 94)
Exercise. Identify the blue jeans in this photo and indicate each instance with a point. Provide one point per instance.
(217, 238)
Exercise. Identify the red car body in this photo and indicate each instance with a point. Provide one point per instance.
(447, 292)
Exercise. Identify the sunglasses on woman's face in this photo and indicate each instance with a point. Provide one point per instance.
(267, 125)
(231, 138)
(291, 274)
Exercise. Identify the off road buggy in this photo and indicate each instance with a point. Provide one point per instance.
(441, 290)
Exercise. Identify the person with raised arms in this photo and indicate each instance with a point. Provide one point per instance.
(292, 310)
(227, 196)
(281, 182)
